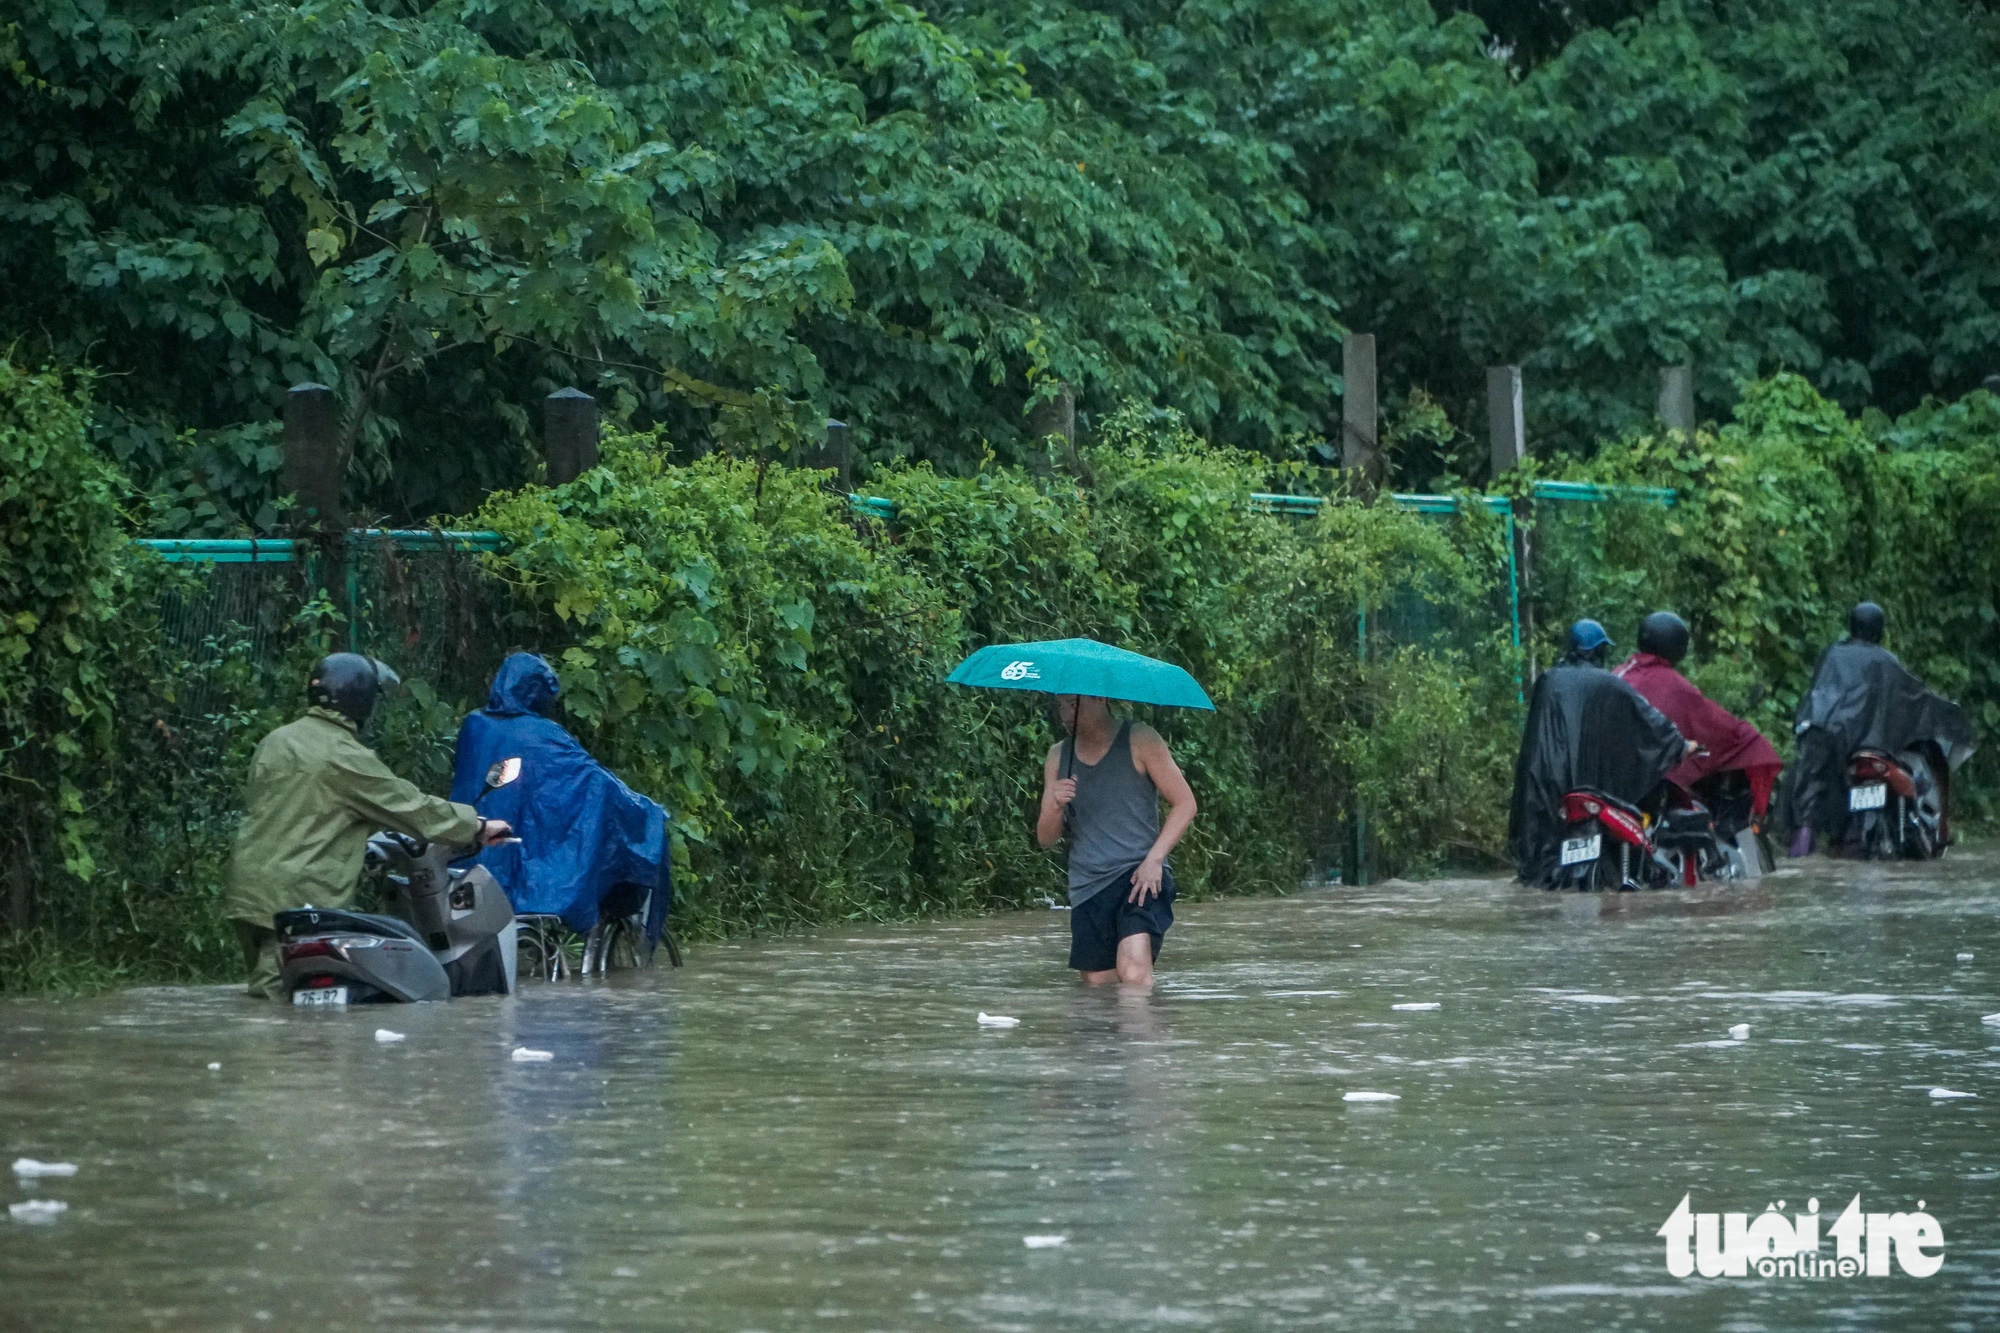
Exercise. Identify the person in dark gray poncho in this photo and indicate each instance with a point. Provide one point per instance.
(1121, 890)
(1864, 698)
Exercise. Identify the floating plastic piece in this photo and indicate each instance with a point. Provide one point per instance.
(214, 1065)
(1994, 1019)
(1371, 1097)
(1044, 1242)
(1946, 1094)
(1419, 1007)
(37, 1210)
(1965, 958)
(385, 1036)
(525, 1056)
(28, 1168)
(998, 1021)
(1741, 1032)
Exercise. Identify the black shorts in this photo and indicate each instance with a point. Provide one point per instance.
(1099, 922)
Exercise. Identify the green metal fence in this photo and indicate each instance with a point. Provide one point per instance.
(419, 596)
(416, 596)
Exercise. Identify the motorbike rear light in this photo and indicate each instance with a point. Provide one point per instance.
(1868, 766)
(1579, 806)
(329, 946)
(319, 983)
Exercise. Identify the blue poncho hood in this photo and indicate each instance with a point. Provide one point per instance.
(583, 832)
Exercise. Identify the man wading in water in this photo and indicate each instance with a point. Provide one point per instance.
(1121, 892)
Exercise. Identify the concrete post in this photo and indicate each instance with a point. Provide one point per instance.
(569, 434)
(1677, 398)
(315, 462)
(1057, 417)
(1360, 420)
(834, 452)
(1504, 424)
(1508, 434)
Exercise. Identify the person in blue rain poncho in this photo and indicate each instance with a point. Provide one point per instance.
(588, 843)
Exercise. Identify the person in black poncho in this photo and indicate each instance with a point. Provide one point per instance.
(1587, 729)
(1863, 698)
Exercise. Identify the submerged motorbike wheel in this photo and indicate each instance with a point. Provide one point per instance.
(541, 945)
(615, 942)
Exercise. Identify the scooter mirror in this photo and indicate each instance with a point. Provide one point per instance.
(503, 772)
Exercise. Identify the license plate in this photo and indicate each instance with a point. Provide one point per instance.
(1578, 850)
(1871, 797)
(323, 995)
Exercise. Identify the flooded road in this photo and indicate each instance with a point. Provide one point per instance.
(816, 1133)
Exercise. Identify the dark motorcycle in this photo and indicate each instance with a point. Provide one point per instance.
(1895, 806)
(1716, 830)
(447, 930)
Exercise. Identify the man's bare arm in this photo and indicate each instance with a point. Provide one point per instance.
(1157, 762)
(1057, 793)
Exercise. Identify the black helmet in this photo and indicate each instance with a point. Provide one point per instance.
(1867, 622)
(1588, 643)
(349, 684)
(1664, 634)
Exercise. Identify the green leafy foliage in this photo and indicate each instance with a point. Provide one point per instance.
(66, 579)
(99, 799)
(731, 221)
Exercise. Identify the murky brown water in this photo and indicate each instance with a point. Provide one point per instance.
(814, 1132)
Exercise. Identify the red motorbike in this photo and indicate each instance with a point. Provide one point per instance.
(1677, 839)
(1606, 844)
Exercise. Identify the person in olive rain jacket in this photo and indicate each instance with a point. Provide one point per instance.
(316, 795)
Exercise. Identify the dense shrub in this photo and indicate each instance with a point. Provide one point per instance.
(739, 642)
(747, 646)
(98, 815)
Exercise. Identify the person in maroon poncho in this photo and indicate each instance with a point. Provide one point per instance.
(1727, 744)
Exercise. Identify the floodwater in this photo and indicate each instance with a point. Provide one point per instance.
(814, 1133)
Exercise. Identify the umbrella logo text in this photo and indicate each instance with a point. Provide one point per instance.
(1020, 671)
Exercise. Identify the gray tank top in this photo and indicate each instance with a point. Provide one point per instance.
(1114, 819)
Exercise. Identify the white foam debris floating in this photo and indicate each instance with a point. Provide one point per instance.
(1371, 1097)
(523, 1055)
(385, 1036)
(1044, 1242)
(214, 1065)
(28, 1168)
(37, 1210)
(1740, 1032)
(998, 1021)
(1946, 1094)
(1993, 1019)
(1418, 1007)
(1965, 958)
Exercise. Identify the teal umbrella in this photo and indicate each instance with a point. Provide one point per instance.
(1080, 666)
